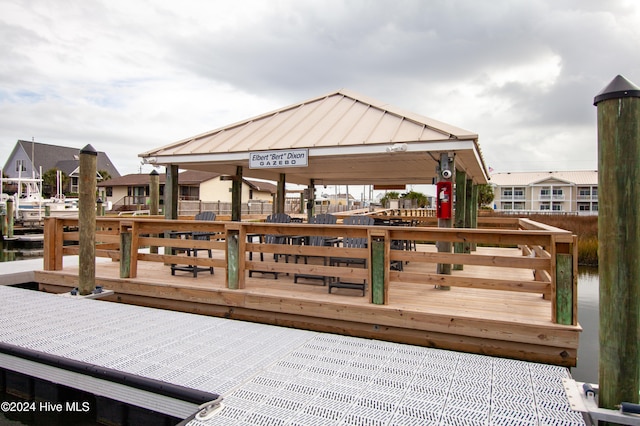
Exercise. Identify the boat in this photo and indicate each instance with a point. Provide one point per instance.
(30, 205)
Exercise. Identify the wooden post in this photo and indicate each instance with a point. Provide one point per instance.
(10, 218)
(233, 258)
(446, 163)
(564, 289)
(618, 107)
(154, 201)
(125, 253)
(87, 220)
(379, 273)
(99, 207)
(280, 194)
(236, 196)
(461, 208)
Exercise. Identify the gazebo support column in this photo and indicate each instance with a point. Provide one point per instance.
(154, 200)
(171, 193)
(236, 195)
(461, 208)
(474, 210)
(170, 197)
(280, 191)
(468, 211)
(311, 193)
(446, 163)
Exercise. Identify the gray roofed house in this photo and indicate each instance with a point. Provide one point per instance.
(49, 157)
(28, 158)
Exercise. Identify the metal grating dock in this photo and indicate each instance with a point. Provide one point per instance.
(280, 376)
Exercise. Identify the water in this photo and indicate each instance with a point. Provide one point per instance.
(9, 254)
(589, 318)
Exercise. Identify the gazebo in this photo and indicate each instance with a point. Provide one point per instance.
(338, 138)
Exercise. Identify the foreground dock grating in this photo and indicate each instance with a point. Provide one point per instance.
(280, 376)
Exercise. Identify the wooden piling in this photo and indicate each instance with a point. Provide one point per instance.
(10, 217)
(618, 107)
(87, 220)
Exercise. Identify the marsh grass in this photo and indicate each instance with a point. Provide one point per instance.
(585, 227)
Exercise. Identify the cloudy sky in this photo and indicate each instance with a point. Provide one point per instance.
(129, 76)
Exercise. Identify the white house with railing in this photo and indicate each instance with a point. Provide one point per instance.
(560, 192)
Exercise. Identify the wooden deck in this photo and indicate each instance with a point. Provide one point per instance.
(476, 315)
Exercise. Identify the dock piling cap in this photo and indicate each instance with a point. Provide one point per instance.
(88, 150)
(619, 87)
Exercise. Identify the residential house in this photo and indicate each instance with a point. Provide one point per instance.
(132, 191)
(567, 192)
(27, 159)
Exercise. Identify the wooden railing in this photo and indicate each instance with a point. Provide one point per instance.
(549, 253)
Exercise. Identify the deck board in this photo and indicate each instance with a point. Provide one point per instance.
(488, 321)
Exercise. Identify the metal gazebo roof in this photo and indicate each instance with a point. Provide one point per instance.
(347, 138)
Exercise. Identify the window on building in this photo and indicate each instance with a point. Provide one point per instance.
(584, 192)
(545, 192)
(594, 207)
(75, 186)
(557, 207)
(518, 206)
(518, 193)
(507, 192)
(557, 192)
(506, 206)
(545, 206)
(109, 191)
(584, 207)
(20, 166)
(594, 192)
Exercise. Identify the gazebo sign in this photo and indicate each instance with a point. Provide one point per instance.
(279, 158)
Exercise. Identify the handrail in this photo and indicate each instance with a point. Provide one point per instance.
(541, 248)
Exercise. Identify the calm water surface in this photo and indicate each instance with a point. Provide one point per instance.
(588, 316)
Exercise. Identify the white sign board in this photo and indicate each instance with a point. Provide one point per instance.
(278, 159)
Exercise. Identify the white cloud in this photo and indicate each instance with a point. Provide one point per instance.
(131, 76)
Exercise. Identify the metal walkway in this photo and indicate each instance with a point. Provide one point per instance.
(280, 376)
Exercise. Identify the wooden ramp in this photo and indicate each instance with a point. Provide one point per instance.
(497, 323)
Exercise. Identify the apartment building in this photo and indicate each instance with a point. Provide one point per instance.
(566, 192)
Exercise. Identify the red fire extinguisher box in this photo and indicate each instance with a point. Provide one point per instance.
(444, 203)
